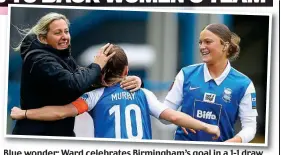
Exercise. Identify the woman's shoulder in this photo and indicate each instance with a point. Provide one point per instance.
(238, 73)
(239, 76)
(192, 68)
(42, 60)
(36, 55)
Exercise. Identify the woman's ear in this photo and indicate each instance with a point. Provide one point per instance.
(225, 46)
(42, 39)
(126, 71)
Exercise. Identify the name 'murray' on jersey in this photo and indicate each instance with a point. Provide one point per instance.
(123, 96)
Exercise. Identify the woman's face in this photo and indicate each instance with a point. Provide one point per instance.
(58, 35)
(211, 48)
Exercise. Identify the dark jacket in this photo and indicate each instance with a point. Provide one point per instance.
(51, 77)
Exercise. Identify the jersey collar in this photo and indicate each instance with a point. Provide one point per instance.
(219, 79)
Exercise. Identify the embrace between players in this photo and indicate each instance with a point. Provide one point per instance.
(212, 95)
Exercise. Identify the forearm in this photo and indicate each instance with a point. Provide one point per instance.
(82, 80)
(51, 113)
(54, 75)
(235, 139)
(171, 106)
(248, 130)
(182, 120)
(246, 134)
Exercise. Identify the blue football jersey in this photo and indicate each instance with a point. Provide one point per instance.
(117, 113)
(215, 101)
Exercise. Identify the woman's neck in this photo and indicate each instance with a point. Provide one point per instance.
(113, 81)
(217, 69)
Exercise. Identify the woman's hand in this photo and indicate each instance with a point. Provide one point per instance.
(17, 113)
(185, 131)
(213, 129)
(131, 82)
(102, 58)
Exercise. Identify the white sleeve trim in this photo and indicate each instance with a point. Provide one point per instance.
(93, 97)
(248, 131)
(171, 105)
(155, 106)
(175, 95)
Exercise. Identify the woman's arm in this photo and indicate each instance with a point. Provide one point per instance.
(247, 114)
(248, 130)
(50, 71)
(174, 98)
(187, 121)
(175, 95)
(52, 113)
(163, 112)
(47, 113)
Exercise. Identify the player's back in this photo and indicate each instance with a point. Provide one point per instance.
(121, 114)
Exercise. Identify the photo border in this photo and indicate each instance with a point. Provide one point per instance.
(147, 9)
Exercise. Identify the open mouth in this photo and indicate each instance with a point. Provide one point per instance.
(63, 44)
(205, 52)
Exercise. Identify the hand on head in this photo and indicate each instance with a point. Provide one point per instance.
(101, 59)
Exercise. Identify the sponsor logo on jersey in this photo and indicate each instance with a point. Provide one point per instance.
(85, 97)
(206, 114)
(254, 100)
(208, 97)
(227, 94)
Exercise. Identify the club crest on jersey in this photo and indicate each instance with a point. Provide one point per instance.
(227, 94)
(208, 97)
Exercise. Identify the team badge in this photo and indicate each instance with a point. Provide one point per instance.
(227, 94)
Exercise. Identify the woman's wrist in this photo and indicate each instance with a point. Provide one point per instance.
(205, 126)
(25, 114)
(236, 139)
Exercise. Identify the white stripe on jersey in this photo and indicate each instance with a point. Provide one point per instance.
(93, 97)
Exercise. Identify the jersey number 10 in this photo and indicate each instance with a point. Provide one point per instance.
(116, 111)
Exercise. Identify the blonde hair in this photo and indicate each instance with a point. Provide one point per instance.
(42, 26)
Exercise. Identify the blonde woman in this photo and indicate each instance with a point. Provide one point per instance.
(50, 75)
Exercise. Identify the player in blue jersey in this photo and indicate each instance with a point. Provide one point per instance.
(214, 92)
(116, 112)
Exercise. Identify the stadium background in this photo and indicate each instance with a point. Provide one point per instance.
(158, 45)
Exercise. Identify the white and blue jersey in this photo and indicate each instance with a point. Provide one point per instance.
(117, 113)
(217, 101)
